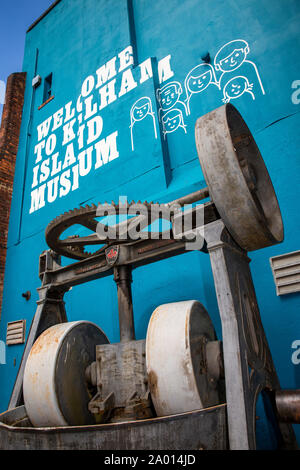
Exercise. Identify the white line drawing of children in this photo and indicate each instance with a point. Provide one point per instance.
(139, 111)
(197, 80)
(168, 96)
(236, 87)
(172, 120)
(233, 56)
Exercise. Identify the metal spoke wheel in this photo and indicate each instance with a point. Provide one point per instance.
(176, 358)
(54, 387)
(141, 215)
(237, 179)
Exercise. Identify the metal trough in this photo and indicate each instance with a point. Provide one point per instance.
(195, 430)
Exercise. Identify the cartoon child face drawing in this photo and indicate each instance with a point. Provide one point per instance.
(197, 80)
(169, 95)
(231, 55)
(196, 84)
(172, 120)
(236, 87)
(141, 109)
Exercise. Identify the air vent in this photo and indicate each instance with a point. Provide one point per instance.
(16, 332)
(286, 272)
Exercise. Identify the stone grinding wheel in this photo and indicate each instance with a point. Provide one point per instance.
(237, 179)
(176, 359)
(54, 385)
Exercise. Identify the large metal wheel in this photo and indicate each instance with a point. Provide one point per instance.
(54, 385)
(237, 178)
(176, 358)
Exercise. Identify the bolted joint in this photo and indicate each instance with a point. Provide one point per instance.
(91, 374)
(27, 295)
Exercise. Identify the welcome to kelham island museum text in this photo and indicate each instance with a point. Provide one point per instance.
(78, 125)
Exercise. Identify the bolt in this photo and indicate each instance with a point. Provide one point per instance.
(26, 295)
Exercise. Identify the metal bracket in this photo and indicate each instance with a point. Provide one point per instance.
(50, 311)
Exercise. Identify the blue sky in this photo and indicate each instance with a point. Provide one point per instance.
(15, 18)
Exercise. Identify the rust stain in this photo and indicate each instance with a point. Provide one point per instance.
(187, 331)
(152, 382)
(45, 340)
(151, 327)
(35, 378)
(47, 393)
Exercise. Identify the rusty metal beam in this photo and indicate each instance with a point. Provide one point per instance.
(288, 405)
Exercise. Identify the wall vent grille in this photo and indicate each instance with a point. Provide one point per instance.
(286, 272)
(15, 333)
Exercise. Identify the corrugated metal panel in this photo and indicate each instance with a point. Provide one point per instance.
(15, 333)
(286, 272)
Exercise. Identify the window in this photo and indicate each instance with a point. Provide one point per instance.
(47, 88)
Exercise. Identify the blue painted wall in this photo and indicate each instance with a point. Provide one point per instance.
(73, 41)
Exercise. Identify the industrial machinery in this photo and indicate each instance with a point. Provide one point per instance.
(180, 388)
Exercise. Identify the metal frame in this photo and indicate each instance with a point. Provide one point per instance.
(248, 362)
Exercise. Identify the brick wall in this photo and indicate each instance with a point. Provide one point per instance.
(9, 139)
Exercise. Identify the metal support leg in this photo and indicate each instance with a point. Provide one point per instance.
(123, 278)
(50, 311)
(248, 362)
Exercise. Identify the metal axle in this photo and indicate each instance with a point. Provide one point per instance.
(123, 279)
(288, 405)
(190, 198)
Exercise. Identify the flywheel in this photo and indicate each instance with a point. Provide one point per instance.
(237, 179)
(54, 386)
(176, 341)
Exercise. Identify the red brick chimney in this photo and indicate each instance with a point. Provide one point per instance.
(9, 140)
